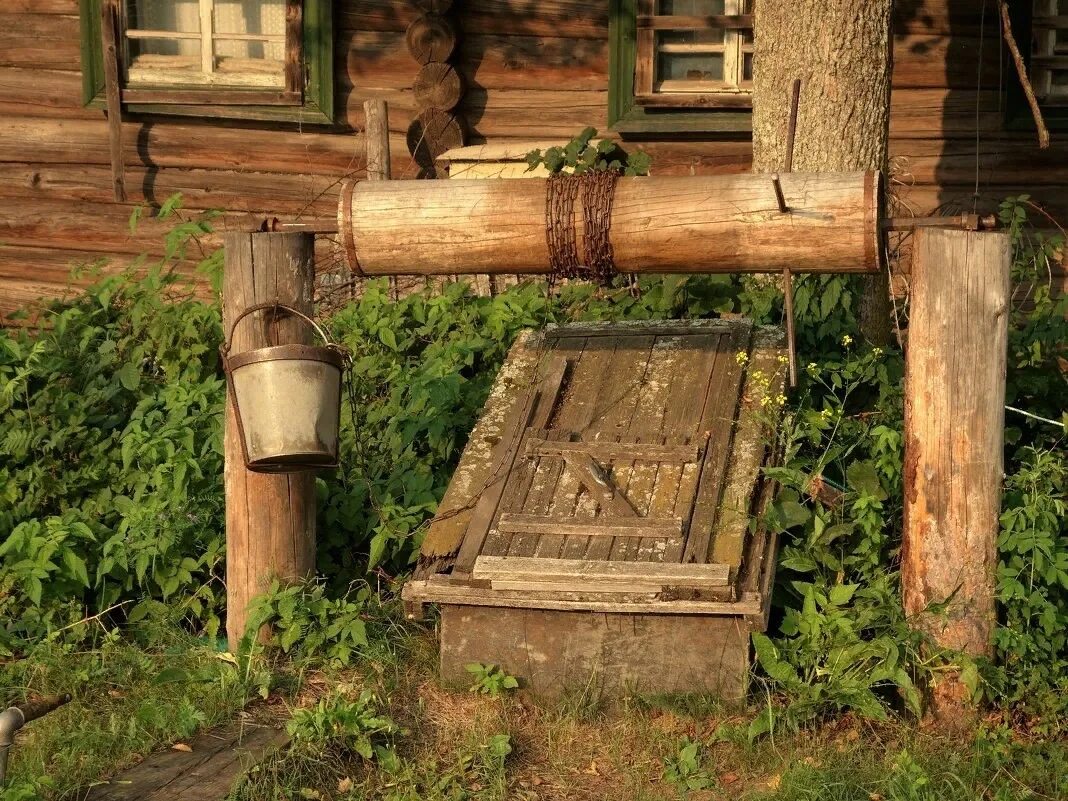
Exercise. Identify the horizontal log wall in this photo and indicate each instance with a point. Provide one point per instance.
(533, 71)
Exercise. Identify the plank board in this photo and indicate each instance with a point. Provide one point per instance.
(207, 772)
(628, 463)
(519, 568)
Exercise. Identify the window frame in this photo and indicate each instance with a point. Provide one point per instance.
(312, 103)
(626, 115)
(651, 91)
(1017, 111)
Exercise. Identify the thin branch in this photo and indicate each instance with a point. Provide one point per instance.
(1021, 71)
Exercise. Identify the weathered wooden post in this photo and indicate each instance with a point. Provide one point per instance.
(376, 131)
(376, 134)
(954, 427)
(270, 519)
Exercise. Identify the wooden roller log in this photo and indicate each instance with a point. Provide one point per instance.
(432, 133)
(438, 85)
(698, 224)
(430, 38)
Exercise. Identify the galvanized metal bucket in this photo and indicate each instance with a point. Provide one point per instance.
(287, 400)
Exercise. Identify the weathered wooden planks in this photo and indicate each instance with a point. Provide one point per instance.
(628, 462)
(556, 652)
(206, 772)
(535, 569)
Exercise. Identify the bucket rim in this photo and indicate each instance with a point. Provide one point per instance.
(315, 353)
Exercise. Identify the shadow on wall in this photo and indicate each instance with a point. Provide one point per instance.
(979, 149)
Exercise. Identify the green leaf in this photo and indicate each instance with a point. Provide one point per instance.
(129, 376)
(377, 551)
(842, 593)
(769, 659)
(762, 724)
(76, 565)
(388, 338)
(172, 675)
(864, 478)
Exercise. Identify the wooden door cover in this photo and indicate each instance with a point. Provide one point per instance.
(623, 443)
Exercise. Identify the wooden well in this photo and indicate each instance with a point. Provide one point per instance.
(597, 531)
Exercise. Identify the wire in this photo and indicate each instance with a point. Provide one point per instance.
(1035, 417)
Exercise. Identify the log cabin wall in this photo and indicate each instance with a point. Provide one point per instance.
(534, 70)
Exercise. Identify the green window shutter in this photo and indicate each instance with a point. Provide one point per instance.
(318, 106)
(629, 118)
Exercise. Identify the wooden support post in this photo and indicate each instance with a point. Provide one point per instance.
(954, 428)
(376, 131)
(376, 134)
(270, 519)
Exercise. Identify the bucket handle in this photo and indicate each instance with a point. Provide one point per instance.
(262, 306)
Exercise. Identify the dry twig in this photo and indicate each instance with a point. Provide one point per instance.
(1021, 71)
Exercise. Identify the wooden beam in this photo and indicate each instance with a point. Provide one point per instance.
(518, 523)
(715, 223)
(954, 429)
(270, 519)
(610, 451)
(520, 568)
(444, 592)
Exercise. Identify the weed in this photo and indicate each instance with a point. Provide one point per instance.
(490, 680)
(338, 722)
(684, 770)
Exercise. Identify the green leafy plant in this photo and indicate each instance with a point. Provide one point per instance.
(336, 721)
(306, 622)
(582, 154)
(684, 769)
(490, 680)
(110, 455)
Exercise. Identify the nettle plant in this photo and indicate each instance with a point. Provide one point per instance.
(839, 639)
(582, 155)
(110, 455)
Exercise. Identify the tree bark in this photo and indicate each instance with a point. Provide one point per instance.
(954, 442)
(842, 52)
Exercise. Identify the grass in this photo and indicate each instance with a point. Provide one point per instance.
(129, 698)
(575, 750)
(438, 745)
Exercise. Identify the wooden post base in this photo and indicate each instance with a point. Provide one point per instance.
(554, 653)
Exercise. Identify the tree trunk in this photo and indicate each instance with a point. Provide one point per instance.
(842, 52)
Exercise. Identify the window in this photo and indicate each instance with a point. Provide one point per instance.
(1049, 52)
(257, 59)
(694, 53)
(680, 66)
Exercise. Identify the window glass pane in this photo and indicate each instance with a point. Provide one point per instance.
(690, 67)
(250, 18)
(183, 54)
(689, 8)
(709, 36)
(178, 16)
(182, 16)
(747, 67)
